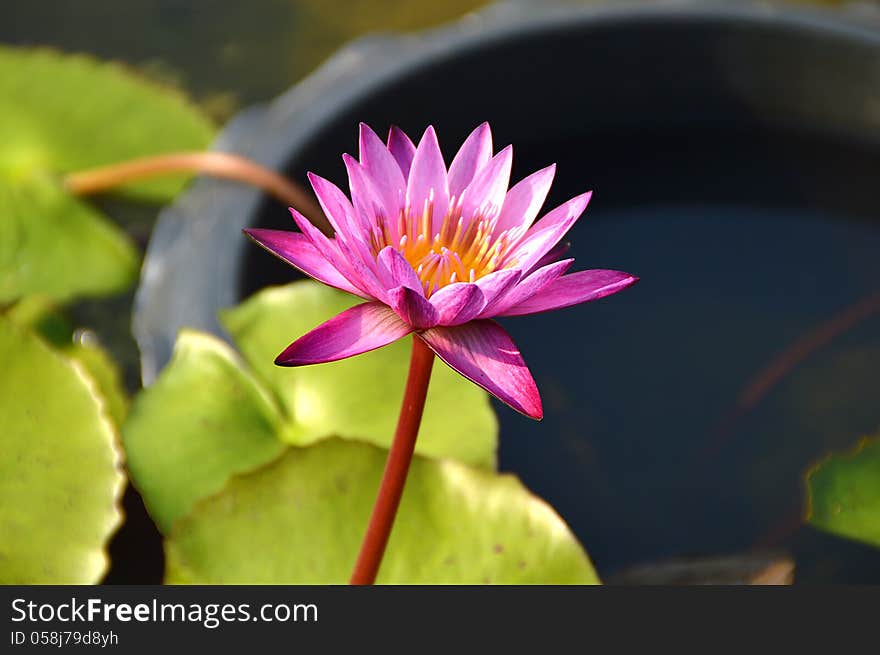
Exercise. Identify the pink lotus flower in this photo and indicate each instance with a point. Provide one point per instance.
(438, 252)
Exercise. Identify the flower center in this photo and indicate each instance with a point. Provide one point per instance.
(459, 251)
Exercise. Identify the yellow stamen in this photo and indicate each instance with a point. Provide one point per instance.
(460, 250)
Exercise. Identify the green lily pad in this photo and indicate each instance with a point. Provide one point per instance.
(358, 398)
(104, 373)
(203, 420)
(41, 315)
(63, 113)
(60, 477)
(208, 416)
(844, 493)
(52, 243)
(301, 520)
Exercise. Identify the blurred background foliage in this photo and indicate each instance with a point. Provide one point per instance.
(225, 53)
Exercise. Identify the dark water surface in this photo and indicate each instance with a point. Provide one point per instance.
(745, 241)
(638, 449)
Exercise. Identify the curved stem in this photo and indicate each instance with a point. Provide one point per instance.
(397, 466)
(219, 164)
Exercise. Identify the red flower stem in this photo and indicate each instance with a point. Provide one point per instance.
(397, 465)
(218, 164)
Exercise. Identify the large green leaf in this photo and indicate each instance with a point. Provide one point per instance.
(358, 398)
(60, 477)
(103, 371)
(208, 417)
(844, 493)
(63, 113)
(301, 519)
(41, 315)
(203, 420)
(52, 243)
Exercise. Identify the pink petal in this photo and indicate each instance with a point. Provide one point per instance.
(357, 330)
(365, 269)
(369, 207)
(458, 303)
(526, 288)
(343, 258)
(485, 354)
(472, 156)
(547, 232)
(332, 250)
(401, 148)
(398, 272)
(298, 251)
(427, 179)
(574, 289)
(335, 204)
(412, 307)
(369, 203)
(554, 254)
(383, 170)
(496, 284)
(523, 202)
(484, 196)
